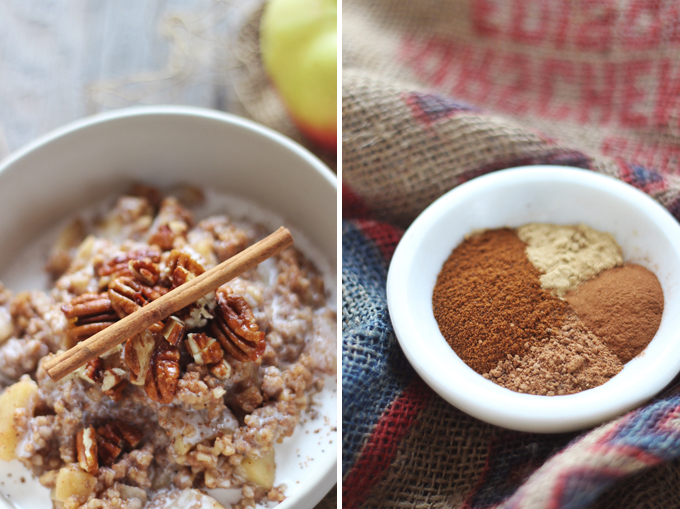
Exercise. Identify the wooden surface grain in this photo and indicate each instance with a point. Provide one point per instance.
(60, 61)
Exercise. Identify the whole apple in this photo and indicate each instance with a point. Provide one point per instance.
(299, 43)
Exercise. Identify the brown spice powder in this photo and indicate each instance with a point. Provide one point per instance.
(570, 361)
(622, 306)
(488, 301)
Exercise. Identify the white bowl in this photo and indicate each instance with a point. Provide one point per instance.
(93, 159)
(648, 234)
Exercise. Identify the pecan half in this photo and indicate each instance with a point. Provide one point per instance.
(127, 295)
(236, 329)
(161, 382)
(115, 437)
(145, 271)
(138, 350)
(88, 314)
(120, 265)
(180, 267)
(206, 350)
(86, 446)
(174, 330)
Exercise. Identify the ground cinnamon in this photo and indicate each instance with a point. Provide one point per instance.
(489, 303)
(622, 306)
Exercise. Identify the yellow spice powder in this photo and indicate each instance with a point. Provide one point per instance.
(568, 255)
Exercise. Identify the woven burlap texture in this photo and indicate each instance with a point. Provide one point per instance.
(399, 162)
(434, 468)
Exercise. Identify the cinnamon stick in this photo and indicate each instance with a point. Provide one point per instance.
(182, 296)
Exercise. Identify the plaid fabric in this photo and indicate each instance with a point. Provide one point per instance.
(438, 92)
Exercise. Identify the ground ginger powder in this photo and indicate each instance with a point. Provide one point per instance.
(568, 255)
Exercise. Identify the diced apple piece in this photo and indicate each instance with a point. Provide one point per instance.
(181, 447)
(73, 481)
(260, 471)
(15, 396)
(130, 492)
(6, 327)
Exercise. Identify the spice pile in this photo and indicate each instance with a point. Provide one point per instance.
(546, 309)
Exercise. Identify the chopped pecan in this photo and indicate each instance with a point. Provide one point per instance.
(206, 350)
(86, 446)
(172, 222)
(163, 237)
(161, 382)
(236, 329)
(180, 267)
(174, 330)
(108, 451)
(115, 437)
(226, 239)
(138, 350)
(88, 314)
(221, 370)
(113, 383)
(93, 371)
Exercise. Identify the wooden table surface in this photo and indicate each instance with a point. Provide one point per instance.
(60, 61)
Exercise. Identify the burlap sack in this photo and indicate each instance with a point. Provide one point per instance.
(438, 92)
(259, 101)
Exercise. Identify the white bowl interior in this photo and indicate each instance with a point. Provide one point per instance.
(647, 233)
(96, 158)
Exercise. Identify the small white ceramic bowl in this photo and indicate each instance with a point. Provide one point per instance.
(96, 158)
(648, 234)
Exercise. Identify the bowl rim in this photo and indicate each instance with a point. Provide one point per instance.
(480, 403)
(171, 110)
(320, 480)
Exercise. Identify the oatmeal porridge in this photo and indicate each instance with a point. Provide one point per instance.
(195, 402)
